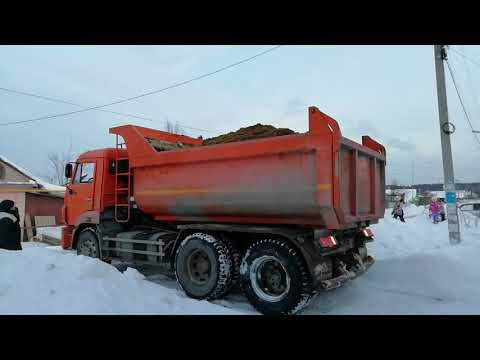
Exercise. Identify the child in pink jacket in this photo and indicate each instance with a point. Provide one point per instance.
(435, 211)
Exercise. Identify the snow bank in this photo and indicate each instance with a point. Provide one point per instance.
(444, 281)
(46, 280)
(417, 235)
(417, 271)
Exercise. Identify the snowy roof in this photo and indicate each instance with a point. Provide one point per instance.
(56, 189)
(29, 182)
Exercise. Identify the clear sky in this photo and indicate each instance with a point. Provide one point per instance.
(387, 92)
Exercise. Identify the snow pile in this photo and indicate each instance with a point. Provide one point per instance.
(47, 280)
(417, 271)
(417, 235)
(444, 281)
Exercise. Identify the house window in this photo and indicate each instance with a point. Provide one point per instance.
(2, 172)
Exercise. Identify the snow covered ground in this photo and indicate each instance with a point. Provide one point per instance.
(416, 272)
(47, 280)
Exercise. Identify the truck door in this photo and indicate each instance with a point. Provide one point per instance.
(80, 193)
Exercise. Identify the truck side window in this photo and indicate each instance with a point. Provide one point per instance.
(84, 173)
(88, 170)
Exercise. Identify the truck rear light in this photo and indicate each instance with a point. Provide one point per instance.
(328, 241)
(367, 233)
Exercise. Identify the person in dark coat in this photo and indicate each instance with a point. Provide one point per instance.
(397, 211)
(9, 226)
(442, 210)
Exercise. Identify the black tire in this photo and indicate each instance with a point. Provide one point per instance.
(275, 278)
(203, 267)
(87, 244)
(236, 260)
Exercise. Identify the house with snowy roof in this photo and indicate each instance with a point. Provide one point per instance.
(33, 196)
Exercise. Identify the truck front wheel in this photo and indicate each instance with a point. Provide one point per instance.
(275, 278)
(88, 244)
(203, 266)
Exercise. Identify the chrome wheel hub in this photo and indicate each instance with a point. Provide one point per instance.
(269, 278)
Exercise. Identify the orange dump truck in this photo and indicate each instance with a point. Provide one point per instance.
(284, 217)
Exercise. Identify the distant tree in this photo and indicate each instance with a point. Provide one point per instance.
(173, 128)
(57, 162)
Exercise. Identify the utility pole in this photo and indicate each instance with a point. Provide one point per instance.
(446, 129)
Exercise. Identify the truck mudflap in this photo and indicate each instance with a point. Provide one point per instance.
(360, 268)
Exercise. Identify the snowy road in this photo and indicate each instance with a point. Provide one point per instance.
(416, 272)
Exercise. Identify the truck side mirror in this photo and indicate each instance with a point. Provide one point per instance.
(68, 171)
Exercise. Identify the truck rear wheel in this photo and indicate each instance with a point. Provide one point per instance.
(236, 260)
(88, 244)
(275, 278)
(203, 267)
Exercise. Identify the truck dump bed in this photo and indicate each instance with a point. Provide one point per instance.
(317, 179)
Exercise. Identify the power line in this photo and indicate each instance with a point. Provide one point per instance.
(466, 57)
(470, 82)
(461, 101)
(148, 93)
(103, 110)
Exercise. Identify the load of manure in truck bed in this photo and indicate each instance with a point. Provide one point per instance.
(257, 131)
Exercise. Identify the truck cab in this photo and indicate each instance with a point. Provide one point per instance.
(91, 190)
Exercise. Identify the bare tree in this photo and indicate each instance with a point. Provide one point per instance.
(178, 130)
(169, 126)
(57, 162)
(173, 128)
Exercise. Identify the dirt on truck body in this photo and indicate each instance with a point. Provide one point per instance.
(282, 215)
(257, 131)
